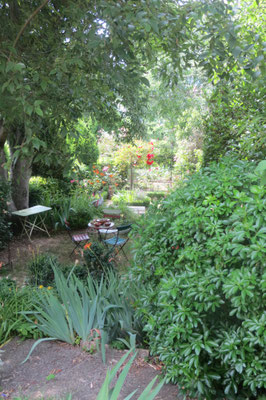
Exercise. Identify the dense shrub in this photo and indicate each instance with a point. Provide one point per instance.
(47, 191)
(156, 195)
(5, 232)
(52, 193)
(83, 211)
(98, 260)
(74, 205)
(200, 258)
(83, 145)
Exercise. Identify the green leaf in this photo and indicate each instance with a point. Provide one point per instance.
(148, 393)
(50, 377)
(236, 51)
(39, 111)
(35, 345)
(43, 85)
(145, 81)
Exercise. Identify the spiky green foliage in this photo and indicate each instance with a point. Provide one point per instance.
(74, 309)
(108, 393)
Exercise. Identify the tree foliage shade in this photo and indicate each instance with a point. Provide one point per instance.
(235, 123)
(74, 55)
(65, 146)
(61, 59)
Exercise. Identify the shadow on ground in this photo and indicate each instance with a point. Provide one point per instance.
(75, 371)
(22, 250)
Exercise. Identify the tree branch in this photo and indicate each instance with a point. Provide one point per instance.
(26, 23)
(3, 134)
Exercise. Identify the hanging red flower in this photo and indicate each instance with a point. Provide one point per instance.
(149, 156)
(150, 162)
(138, 156)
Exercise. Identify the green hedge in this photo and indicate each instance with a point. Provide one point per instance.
(131, 198)
(156, 195)
(200, 259)
(145, 202)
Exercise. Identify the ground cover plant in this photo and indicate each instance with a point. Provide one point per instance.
(131, 198)
(40, 271)
(200, 260)
(13, 301)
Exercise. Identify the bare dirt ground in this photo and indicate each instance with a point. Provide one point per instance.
(22, 250)
(74, 371)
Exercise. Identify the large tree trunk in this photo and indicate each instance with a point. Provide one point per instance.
(20, 174)
(3, 138)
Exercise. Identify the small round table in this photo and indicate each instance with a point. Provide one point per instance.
(102, 229)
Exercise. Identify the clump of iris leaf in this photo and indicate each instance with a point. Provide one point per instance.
(75, 308)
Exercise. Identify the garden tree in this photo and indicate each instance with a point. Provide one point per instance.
(61, 58)
(58, 67)
(176, 114)
(236, 121)
(83, 146)
(60, 152)
(128, 156)
(169, 107)
(236, 118)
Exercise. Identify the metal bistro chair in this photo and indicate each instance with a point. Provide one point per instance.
(116, 241)
(111, 213)
(79, 239)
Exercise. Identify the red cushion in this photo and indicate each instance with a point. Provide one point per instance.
(80, 237)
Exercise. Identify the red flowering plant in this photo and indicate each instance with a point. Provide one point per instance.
(100, 179)
(149, 159)
(138, 154)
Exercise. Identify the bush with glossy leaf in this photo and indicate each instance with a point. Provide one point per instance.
(200, 258)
